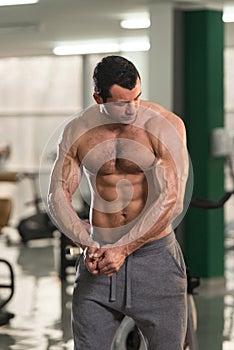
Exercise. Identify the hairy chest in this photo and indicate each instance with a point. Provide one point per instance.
(106, 152)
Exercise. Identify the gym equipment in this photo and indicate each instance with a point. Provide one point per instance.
(129, 337)
(38, 225)
(5, 316)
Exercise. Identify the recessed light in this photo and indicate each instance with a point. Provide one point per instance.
(102, 46)
(135, 23)
(228, 14)
(85, 48)
(134, 46)
(17, 2)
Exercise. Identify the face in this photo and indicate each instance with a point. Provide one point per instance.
(123, 104)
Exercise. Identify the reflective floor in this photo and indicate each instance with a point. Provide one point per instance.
(41, 303)
(215, 307)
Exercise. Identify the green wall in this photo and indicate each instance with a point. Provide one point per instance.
(203, 107)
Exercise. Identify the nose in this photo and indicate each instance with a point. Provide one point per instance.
(131, 108)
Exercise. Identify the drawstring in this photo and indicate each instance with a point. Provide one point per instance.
(128, 284)
(113, 287)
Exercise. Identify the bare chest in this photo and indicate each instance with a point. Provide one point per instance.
(108, 153)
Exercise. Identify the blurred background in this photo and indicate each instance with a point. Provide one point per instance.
(184, 51)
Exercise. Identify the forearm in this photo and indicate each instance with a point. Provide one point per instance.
(155, 224)
(156, 221)
(66, 219)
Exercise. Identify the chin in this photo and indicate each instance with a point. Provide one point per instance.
(128, 120)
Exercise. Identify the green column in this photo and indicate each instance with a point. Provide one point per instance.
(204, 236)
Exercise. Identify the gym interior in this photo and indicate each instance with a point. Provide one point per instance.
(185, 55)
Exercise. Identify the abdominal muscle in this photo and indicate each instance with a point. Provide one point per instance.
(117, 203)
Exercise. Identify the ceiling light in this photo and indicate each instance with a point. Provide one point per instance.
(135, 23)
(228, 14)
(85, 48)
(130, 46)
(17, 2)
(103, 46)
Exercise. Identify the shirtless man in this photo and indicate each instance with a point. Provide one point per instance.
(134, 156)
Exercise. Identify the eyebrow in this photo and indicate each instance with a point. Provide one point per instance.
(138, 96)
(134, 98)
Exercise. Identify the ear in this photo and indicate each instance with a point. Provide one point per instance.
(97, 98)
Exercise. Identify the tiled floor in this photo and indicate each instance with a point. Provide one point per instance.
(41, 303)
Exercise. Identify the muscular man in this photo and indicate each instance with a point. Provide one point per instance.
(133, 153)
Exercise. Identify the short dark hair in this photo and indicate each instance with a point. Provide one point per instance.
(114, 70)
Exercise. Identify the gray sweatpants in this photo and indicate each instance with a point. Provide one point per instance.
(150, 288)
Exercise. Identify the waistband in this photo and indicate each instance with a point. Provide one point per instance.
(157, 244)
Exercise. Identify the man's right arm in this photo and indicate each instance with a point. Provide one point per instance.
(64, 181)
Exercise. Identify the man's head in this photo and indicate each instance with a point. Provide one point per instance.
(113, 70)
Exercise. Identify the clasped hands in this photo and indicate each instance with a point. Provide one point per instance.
(106, 260)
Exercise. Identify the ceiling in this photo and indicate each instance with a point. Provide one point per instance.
(37, 29)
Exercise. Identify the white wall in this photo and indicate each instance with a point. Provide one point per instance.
(37, 94)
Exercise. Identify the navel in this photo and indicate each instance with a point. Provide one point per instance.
(123, 217)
